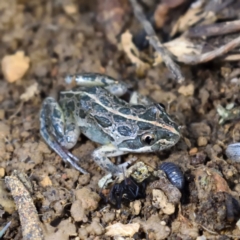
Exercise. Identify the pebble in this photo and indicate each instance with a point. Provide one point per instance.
(2, 172)
(186, 90)
(193, 151)
(15, 66)
(46, 182)
(233, 152)
(202, 141)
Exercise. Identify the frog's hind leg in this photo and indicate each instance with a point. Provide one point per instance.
(100, 156)
(52, 130)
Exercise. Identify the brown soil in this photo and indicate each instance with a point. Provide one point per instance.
(63, 37)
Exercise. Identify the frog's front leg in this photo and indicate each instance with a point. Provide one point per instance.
(100, 156)
(59, 132)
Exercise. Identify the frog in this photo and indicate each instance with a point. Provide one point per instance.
(94, 108)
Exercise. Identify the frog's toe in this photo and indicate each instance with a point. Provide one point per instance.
(123, 167)
(67, 156)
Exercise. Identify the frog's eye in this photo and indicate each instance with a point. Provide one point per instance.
(148, 138)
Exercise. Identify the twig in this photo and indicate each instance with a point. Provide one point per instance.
(28, 215)
(205, 57)
(2, 232)
(154, 41)
(216, 29)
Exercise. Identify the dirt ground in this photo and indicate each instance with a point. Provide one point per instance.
(64, 37)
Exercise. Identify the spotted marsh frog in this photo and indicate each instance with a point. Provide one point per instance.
(94, 109)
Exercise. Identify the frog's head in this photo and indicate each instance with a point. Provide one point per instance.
(157, 131)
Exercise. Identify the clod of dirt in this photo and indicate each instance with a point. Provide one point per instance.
(185, 229)
(119, 229)
(84, 179)
(200, 129)
(170, 191)
(4, 130)
(186, 90)
(5, 199)
(28, 155)
(108, 217)
(153, 227)
(136, 207)
(46, 182)
(215, 200)
(89, 199)
(160, 201)
(95, 228)
(15, 66)
(62, 232)
(78, 212)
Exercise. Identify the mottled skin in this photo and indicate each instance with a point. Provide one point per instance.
(96, 112)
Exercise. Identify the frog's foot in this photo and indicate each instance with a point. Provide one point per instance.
(59, 132)
(123, 168)
(67, 157)
(100, 156)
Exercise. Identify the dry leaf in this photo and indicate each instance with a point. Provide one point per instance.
(194, 14)
(133, 53)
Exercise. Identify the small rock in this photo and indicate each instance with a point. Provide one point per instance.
(70, 9)
(202, 141)
(186, 90)
(46, 182)
(78, 212)
(127, 230)
(193, 151)
(88, 198)
(163, 223)
(136, 207)
(15, 66)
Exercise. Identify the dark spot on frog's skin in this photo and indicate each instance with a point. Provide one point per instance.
(56, 113)
(131, 143)
(105, 101)
(85, 98)
(91, 90)
(70, 106)
(68, 95)
(98, 108)
(104, 80)
(144, 125)
(104, 122)
(149, 115)
(118, 118)
(124, 131)
(125, 110)
(119, 101)
(82, 113)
